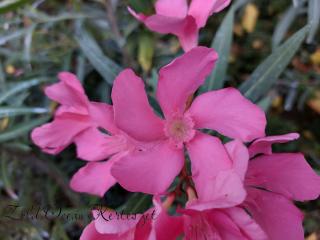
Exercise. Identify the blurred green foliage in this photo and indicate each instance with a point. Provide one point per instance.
(95, 40)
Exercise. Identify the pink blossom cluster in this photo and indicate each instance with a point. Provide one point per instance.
(236, 190)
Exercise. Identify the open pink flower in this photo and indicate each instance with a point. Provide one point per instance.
(76, 116)
(226, 111)
(77, 121)
(221, 191)
(232, 223)
(154, 224)
(176, 17)
(273, 182)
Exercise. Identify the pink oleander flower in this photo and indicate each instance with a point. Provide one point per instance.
(176, 17)
(226, 111)
(219, 224)
(77, 121)
(223, 184)
(273, 182)
(151, 225)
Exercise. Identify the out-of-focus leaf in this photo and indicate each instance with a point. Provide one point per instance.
(27, 43)
(239, 3)
(313, 18)
(5, 177)
(58, 232)
(146, 50)
(291, 96)
(19, 87)
(144, 6)
(265, 103)
(9, 5)
(137, 203)
(270, 69)
(296, 2)
(2, 77)
(21, 129)
(222, 44)
(283, 26)
(80, 71)
(15, 111)
(104, 65)
(13, 35)
(250, 17)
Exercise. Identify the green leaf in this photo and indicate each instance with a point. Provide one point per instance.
(313, 18)
(21, 86)
(142, 6)
(14, 34)
(283, 26)
(267, 73)
(21, 129)
(15, 111)
(137, 203)
(104, 65)
(222, 44)
(10, 5)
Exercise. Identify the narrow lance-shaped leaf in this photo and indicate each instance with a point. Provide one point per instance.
(283, 26)
(270, 69)
(21, 129)
(313, 18)
(19, 87)
(9, 5)
(222, 44)
(137, 203)
(14, 34)
(15, 111)
(104, 65)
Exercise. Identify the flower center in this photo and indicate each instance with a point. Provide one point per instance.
(179, 129)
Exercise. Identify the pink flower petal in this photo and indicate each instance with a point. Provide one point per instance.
(176, 8)
(200, 225)
(93, 145)
(216, 183)
(94, 178)
(182, 77)
(240, 157)
(184, 28)
(102, 116)
(229, 113)
(264, 145)
(189, 34)
(227, 191)
(276, 215)
(90, 233)
(69, 93)
(220, 5)
(139, 16)
(55, 136)
(202, 9)
(249, 228)
(165, 226)
(288, 174)
(151, 171)
(111, 222)
(132, 111)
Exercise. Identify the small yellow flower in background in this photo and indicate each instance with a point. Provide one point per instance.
(10, 69)
(4, 122)
(314, 103)
(315, 57)
(250, 17)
